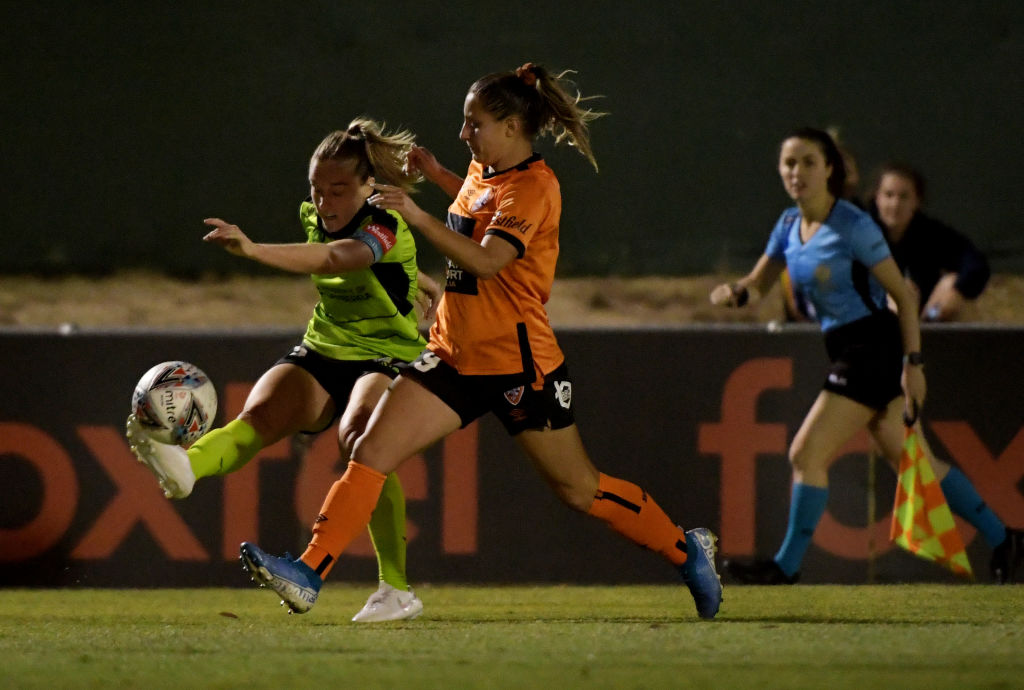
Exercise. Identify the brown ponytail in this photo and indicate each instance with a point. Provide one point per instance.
(542, 101)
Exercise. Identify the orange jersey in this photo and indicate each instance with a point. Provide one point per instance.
(500, 326)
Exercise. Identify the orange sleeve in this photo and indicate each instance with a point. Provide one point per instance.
(522, 208)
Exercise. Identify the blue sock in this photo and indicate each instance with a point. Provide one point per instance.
(806, 506)
(964, 500)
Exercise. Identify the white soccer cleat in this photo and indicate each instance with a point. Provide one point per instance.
(389, 604)
(169, 463)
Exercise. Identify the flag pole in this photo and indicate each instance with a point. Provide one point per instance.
(872, 554)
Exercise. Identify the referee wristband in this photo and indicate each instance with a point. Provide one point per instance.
(913, 358)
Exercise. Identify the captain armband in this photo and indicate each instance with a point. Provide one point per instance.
(378, 238)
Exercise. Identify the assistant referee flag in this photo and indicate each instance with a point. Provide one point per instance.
(921, 520)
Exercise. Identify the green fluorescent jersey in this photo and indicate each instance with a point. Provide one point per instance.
(366, 314)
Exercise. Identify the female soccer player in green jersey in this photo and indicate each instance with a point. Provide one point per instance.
(363, 263)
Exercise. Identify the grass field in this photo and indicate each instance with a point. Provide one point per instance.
(904, 636)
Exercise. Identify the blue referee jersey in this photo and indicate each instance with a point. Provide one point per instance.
(831, 273)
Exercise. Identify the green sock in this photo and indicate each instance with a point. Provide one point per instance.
(224, 450)
(387, 530)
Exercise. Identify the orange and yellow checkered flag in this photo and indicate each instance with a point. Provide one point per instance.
(921, 520)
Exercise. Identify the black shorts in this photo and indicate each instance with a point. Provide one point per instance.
(338, 376)
(867, 360)
(517, 405)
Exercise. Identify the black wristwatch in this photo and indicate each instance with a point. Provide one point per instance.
(913, 358)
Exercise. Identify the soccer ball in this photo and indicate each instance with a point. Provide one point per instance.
(175, 402)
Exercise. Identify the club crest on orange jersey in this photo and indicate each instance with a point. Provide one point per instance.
(515, 395)
(467, 194)
(481, 200)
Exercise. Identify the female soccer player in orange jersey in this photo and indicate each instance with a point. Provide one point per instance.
(491, 348)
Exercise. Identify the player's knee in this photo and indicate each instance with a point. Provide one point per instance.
(362, 451)
(574, 498)
(351, 429)
(261, 420)
(367, 450)
(808, 467)
(800, 459)
(578, 494)
(347, 441)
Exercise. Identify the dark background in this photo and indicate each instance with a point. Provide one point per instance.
(125, 124)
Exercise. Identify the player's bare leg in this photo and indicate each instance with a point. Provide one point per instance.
(560, 457)
(832, 421)
(393, 599)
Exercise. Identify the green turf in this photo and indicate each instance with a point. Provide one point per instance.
(892, 637)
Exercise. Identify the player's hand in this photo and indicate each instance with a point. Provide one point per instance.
(729, 295)
(914, 387)
(420, 159)
(945, 301)
(395, 199)
(428, 296)
(228, 236)
(721, 295)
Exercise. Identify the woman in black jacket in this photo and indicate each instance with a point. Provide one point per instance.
(944, 266)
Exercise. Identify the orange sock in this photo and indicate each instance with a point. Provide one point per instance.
(345, 513)
(632, 513)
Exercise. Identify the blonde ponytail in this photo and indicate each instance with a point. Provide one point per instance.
(373, 151)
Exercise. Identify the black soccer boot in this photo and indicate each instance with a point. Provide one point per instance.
(763, 571)
(1007, 556)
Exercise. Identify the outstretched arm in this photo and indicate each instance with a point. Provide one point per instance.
(339, 256)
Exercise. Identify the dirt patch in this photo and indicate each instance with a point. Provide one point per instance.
(147, 299)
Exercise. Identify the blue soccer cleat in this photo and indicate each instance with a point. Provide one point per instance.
(699, 572)
(296, 582)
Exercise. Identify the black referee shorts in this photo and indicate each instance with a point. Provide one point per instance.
(867, 360)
